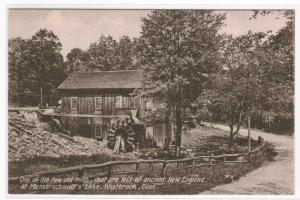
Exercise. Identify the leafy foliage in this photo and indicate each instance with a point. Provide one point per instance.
(33, 64)
(75, 60)
(106, 54)
(256, 79)
(236, 86)
(178, 48)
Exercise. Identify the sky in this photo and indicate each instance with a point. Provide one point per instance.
(80, 28)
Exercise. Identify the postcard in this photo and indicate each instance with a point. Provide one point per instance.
(151, 101)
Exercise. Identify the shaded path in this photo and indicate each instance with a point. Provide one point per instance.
(276, 177)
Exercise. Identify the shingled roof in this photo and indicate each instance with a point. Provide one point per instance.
(126, 79)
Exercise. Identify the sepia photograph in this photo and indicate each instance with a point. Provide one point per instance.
(150, 101)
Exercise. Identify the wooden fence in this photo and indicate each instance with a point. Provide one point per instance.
(185, 163)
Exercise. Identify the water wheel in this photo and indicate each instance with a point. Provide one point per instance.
(126, 137)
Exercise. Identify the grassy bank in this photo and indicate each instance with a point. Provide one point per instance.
(211, 176)
(39, 164)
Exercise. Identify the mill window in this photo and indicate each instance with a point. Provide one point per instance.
(98, 131)
(73, 103)
(98, 103)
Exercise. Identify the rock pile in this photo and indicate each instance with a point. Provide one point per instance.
(29, 138)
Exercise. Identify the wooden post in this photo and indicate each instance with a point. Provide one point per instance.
(164, 168)
(249, 138)
(249, 156)
(109, 171)
(266, 149)
(210, 160)
(193, 164)
(137, 168)
(151, 166)
(211, 164)
(80, 173)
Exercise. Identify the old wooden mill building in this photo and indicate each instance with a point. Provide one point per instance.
(93, 101)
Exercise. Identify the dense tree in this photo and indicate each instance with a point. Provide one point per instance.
(125, 51)
(256, 79)
(47, 64)
(17, 50)
(237, 86)
(278, 77)
(76, 59)
(39, 63)
(108, 54)
(179, 48)
(103, 54)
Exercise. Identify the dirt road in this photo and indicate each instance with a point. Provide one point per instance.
(276, 177)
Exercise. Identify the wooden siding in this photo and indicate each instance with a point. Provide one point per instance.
(86, 104)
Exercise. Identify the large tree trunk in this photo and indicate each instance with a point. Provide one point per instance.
(168, 121)
(261, 123)
(231, 121)
(231, 126)
(178, 130)
(238, 126)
